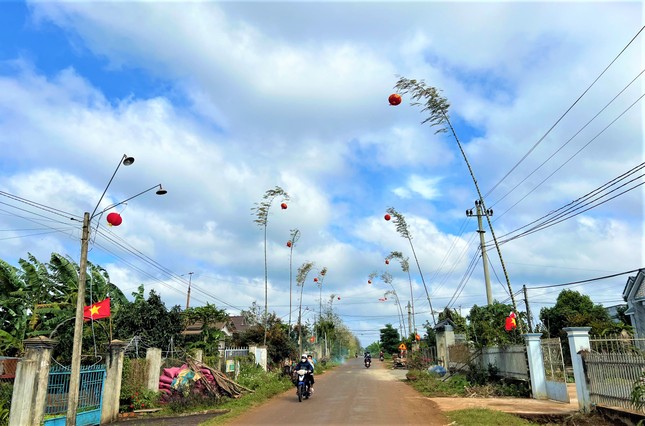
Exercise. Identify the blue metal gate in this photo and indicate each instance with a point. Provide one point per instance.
(90, 397)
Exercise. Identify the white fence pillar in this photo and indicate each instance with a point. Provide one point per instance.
(30, 384)
(260, 353)
(112, 385)
(578, 342)
(536, 365)
(153, 368)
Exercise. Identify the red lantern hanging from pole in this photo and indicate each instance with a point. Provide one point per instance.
(289, 243)
(387, 261)
(394, 99)
(284, 206)
(316, 279)
(387, 217)
(114, 219)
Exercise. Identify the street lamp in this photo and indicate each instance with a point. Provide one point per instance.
(75, 376)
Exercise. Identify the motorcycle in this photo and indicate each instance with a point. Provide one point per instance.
(381, 358)
(368, 362)
(302, 385)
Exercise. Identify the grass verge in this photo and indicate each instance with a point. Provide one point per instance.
(484, 417)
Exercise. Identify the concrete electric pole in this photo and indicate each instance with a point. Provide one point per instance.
(480, 213)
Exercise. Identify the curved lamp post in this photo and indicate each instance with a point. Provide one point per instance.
(300, 281)
(402, 228)
(405, 266)
(295, 236)
(262, 214)
(437, 106)
(319, 281)
(397, 302)
(74, 382)
(387, 278)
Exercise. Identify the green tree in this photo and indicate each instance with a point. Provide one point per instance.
(149, 319)
(13, 310)
(279, 345)
(573, 309)
(211, 320)
(487, 325)
(390, 339)
(460, 323)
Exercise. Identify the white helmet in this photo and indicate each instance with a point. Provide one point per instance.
(304, 356)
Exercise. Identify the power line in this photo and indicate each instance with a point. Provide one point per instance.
(564, 114)
(585, 281)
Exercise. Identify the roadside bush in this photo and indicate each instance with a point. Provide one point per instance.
(6, 391)
(134, 395)
(178, 403)
(488, 382)
(417, 361)
(432, 386)
(139, 399)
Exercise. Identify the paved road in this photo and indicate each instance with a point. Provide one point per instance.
(350, 395)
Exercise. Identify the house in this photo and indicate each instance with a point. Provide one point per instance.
(634, 295)
(238, 324)
(196, 328)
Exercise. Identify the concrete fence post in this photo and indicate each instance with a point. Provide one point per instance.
(578, 342)
(198, 354)
(445, 339)
(30, 384)
(112, 387)
(153, 368)
(536, 365)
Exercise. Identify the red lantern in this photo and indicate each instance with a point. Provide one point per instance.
(316, 279)
(289, 243)
(387, 261)
(114, 219)
(369, 281)
(284, 206)
(387, 217)
(394, 99)
(338, 297)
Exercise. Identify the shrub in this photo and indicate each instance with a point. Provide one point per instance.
(417, 361)
(140, 399)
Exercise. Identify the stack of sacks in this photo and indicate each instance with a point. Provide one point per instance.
(168, 377)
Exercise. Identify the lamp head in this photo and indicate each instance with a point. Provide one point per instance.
(161, 191)
(127, 160)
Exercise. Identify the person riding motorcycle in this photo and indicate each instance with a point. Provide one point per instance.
(310, 358)
(304, 364)
(367, 357)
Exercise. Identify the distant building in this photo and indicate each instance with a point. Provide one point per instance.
(613, 312)
(634, 295)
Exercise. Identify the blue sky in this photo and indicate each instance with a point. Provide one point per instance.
(221, 101)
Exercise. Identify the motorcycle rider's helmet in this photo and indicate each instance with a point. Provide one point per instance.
(304, 357)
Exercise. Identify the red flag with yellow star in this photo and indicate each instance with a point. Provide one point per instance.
(97, 311)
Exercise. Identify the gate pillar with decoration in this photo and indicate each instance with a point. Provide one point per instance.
(112, 387)
(579, 341)
(30, 384)
(536, 365)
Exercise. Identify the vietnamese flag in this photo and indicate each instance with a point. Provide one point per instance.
(511, 324)
(97, 311)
